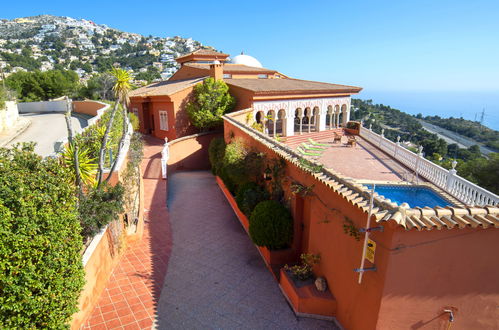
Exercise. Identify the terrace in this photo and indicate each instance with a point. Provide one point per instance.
(371, 159)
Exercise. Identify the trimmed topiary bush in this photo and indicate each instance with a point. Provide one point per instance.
(249, 195)
(41, 271)
(271, 225)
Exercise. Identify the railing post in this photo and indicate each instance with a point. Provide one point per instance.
(165, 154)
(397, 146)
(451, 176)
(420, 155)
(381, 137)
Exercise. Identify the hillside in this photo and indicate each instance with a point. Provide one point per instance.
(50, 42)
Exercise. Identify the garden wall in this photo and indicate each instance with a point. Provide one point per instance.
(190, 152)
(98, 260)
(88, 107)
(43, 106)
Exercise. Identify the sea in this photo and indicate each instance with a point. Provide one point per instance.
(466, 105)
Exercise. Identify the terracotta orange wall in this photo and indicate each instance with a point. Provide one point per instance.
(190, 152)
(97, 271)
(244, 98)
(183, 125)
(442, 269)
(87, 107)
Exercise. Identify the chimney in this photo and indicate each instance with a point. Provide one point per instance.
(217, 70)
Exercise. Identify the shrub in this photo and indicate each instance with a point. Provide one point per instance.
(216, 152)
(249, 195)
(271, 225)
(134, 120)
(100, 206)
(233, 162)
(41, 271)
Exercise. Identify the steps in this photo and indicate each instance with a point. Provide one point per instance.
(295, 140)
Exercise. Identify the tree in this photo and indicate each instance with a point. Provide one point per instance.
(211, 100)
(40, 261)
(121, 88)
(42, 86)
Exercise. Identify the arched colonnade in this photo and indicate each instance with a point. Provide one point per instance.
(296, 117)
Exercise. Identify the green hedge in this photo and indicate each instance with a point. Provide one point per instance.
(249, 195)
(216, 152)
(271, 225)
(41, 271)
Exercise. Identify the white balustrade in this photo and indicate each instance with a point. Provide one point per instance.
(462, 189)
(165, 154)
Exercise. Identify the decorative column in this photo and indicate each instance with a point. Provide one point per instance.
(290, 125)
(322, 121)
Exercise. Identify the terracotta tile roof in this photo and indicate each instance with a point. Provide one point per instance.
(286, 86)
(384, 210)
(232, 68)
(204, 52)
(165, 87)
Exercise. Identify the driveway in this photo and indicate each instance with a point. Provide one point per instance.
(216, 279)
(46, 129)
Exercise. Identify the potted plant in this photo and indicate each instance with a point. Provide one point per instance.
(303, 272)
(353, 127)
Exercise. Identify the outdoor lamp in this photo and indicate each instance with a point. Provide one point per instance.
(267, 174)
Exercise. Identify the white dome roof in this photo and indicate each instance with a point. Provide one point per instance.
(246, 60)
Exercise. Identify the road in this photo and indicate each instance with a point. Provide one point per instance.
(46, 129)
(452, 137)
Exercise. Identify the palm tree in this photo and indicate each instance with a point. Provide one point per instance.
(121, 88)
(87, 167)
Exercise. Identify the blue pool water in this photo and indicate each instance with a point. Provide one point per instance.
(414, 196)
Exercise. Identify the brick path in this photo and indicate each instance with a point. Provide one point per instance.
(130, 298)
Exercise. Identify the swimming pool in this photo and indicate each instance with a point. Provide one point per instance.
(415, 196)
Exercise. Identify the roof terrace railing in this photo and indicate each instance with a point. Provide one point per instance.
(462, 189)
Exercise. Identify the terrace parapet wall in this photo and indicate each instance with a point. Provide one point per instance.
(409, 263)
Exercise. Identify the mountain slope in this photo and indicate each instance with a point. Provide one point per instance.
(51, 42)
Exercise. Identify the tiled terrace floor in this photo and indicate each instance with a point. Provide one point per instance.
(364, 161)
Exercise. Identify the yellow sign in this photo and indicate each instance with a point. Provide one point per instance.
(370, 250)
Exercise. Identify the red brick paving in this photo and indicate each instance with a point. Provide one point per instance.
(130, 298)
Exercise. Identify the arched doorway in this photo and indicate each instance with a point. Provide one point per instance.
(281, 123)
(336, 116)
(271, 123)
(329, 118)
(307, 119)
(343, 115)
(298, 120)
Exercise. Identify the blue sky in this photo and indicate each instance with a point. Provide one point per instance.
(379, 45)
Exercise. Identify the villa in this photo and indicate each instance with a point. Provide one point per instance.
(418, 252)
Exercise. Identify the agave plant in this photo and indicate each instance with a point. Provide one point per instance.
(87, 166)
